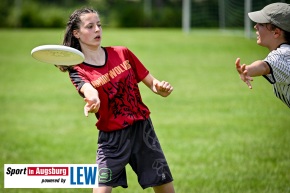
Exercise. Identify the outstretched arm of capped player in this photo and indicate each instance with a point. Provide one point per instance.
(257, 68)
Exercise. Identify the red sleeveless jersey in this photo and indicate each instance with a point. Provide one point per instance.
(117, 84)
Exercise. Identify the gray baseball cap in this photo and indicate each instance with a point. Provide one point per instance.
(275, 13)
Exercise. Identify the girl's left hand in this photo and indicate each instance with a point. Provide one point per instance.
(163, 88)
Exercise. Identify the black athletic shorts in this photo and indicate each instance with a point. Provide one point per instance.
(137, 145)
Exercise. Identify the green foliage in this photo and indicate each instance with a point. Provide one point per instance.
(37, 15)
(167, 17)
(30, 15)
(205, 14)
(124, 13)
(132, 14)
(218, 136)
(4, 11)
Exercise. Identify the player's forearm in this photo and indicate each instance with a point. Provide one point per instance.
(149, 81)
(258, 68)
(90, 92)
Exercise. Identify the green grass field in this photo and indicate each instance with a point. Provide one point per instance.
(218, 135)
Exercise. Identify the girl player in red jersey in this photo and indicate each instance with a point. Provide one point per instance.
(108, 81)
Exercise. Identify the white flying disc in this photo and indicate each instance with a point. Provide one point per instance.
(58, 55)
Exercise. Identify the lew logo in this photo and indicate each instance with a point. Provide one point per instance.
(83, 175)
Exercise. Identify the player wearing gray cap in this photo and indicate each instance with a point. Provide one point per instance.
(273, 32)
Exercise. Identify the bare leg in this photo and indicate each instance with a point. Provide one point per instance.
(165, 188)
(103, 189)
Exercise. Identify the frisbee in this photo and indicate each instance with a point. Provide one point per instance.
(58, 55)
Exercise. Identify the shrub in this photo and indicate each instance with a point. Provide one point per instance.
(35, 15)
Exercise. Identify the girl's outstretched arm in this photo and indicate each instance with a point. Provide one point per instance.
(162, 88)
(91, 98)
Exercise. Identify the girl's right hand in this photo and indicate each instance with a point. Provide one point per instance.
(92, 106)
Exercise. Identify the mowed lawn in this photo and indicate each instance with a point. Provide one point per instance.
(218, 135)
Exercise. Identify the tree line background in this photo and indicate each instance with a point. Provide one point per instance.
(122, 13)
(114, 13)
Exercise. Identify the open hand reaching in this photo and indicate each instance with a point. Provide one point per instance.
(243, 73)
